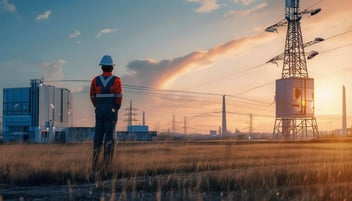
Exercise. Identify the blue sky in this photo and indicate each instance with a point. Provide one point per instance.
(194, 45)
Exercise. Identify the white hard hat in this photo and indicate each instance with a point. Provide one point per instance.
(106, 61)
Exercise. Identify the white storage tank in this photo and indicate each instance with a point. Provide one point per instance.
(295, 98)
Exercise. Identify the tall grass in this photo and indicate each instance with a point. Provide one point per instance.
(309, 171)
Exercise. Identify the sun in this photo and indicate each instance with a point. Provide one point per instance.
(327, 98)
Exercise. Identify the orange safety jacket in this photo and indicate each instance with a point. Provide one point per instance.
(106, 88)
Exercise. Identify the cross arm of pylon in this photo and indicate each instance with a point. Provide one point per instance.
(311, 54)
(311, 11)
(313, 42)
(273, 28)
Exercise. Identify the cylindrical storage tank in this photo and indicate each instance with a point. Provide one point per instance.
(292, 10)
(292, 3)
(295, 98)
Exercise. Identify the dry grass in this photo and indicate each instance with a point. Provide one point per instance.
(291, 171)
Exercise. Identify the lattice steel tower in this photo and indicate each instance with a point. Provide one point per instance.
(295, 90)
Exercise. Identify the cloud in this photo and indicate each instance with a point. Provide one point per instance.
(105, 31)
(83, 89)
(246, 12)
(206, 6)
(245, 2)
(74, 34)
(158, 74)
(53, 70)
(43, 16)
(8, 6)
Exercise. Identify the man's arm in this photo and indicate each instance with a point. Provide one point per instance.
(118, 92)
(93, 92)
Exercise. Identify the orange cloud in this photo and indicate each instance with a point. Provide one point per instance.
(157, 74)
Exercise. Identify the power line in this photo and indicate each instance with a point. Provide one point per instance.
(339, 47)
(338, 35)
(248, 69)
(247, 101)
(331, 37)
(169, 91)
(255, 87)
(232, 76)
(193, 93)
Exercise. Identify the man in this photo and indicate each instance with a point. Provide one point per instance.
(106, 96)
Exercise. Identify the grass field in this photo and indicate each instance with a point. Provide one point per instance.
(212, 170)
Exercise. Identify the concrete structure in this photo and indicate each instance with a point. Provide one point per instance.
(37, 114)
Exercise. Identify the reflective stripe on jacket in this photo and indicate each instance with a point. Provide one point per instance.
(106, 88)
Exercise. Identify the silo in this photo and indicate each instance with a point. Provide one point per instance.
(295, 98)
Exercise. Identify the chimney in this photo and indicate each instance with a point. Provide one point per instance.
(344, 118)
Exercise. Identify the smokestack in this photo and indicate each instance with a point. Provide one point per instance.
(224, 127)
(173, 124)
(344, 118)
(143, 119)
(185, 126)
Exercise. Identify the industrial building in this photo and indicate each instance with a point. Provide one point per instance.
(42, 114)
(38, 114)
(136, 133)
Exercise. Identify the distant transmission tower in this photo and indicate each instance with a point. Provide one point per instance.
(295, 90)
(130, 114)
(173, 124)
(185, 125)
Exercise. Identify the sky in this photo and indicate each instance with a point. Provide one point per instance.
(176, 58)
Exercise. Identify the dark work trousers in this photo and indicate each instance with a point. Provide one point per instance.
(105, 122)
